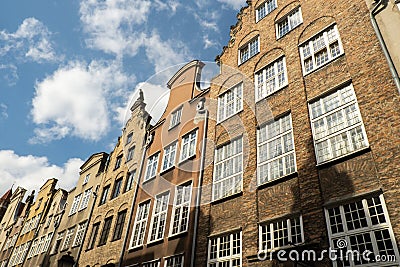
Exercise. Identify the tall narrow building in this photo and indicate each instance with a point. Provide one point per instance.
(163, 223)
(307, 139)
(108, 225)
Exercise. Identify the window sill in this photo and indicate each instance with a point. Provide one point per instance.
(155, 242)
(343, 158)
(227, 118)
(278, 180)
(135, 248)
(286, 34)
(226, 198)
(177, 235)
(322, 66)
(173, 127)
(167, 170)
(187, 159)
(247, 60)
(149, 180)
(271, 94)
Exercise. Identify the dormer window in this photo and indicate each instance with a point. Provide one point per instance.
(175, 118)
(264, 9)
(249, 50)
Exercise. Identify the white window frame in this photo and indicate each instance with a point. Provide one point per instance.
(230, 258)
(248, 49)
(169, 156)
(175, 117)
(80, 231)
(370, 229)
(223, 161)
(151, 166)
(153, 263)
(47, 242)
(158, 217)
(267, 7)
(261, 90)
(323, 136)
(317, 44)
(68, 238)
(130, 179)
(188, 145)
(140, 225)
(181, 201)
(75, 204)
(85, 200)
(60, 236)
(86, 180)
(288, 19)
(131, 152)
(174, 262)
(279, 138)
(272, 224)
(224, 102)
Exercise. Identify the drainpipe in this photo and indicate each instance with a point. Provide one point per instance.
(198, 199)
(121, 257)
(392, 68)
(87, 227)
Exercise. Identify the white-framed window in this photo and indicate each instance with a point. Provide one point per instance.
(68, 238)
(159, 217)
(151, 169)
(85, 199)
(75, 204)
(47, 242)
(289, 22)
(321, 49)
(281, 234)
(129, 138)
(362, 225)
(57, 244)
(131, 152)
(230, 102)
(181, 209)
(118, 162)
(24, 250)
(79, 234)
(276, 155)
(174, 261)
(270, 79)
(188, 145)
(249, 50)
(337, 126)
(169, 156)
(225, 250)
(40, 245)
(265, 8)
(86, 180)
(48, 222)
(155, 263)
(175, 118)
(228, 169)
(33, 248)
(129, 180)
(139, 228)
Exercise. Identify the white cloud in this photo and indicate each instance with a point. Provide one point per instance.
(79, 100)
(3, 111)
(31, 172)
(208, 20)
(234, 4)
(31, 42)
(170, 5)
(9, 74)
(209, 43)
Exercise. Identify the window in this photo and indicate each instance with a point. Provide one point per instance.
(174, 261)
(288, 23)
(169, 156)
(48, 222)
(47, 242)
(230, 102)
(40, 245)
(175, 118)
(281, 234)
(118, 162)
(129, 138)
(180, 216)
(271, 78)
(131, 152)
(225, 250)
(75, 204)
(321, 49)
(249, 50)
(68, 238)
(129, 180)
(93, 236)
(117, 188)
(228, 169)
(119, 227)
(364, 225)
(106, 231)
(57, 244)
(85, 199)
(103, 198)
(80, 232)
(39, 203)
(275, 150)
(33, 248)
(151, 168)
(188, 146)
(265, 8)
(139, 228)
(159, 217)
(337, 125)
(155, 263)
(86, 180)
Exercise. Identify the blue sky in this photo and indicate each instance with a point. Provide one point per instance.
(69, 69)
